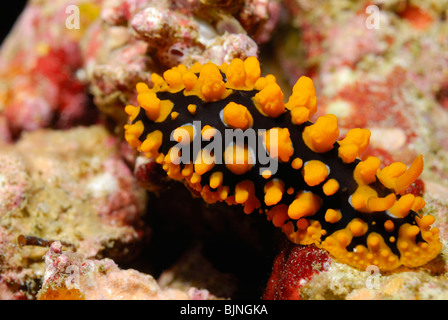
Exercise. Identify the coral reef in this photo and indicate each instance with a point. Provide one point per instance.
(54, 179)
(41, 82)
(104, 217)
(389, 79)
(69, 276)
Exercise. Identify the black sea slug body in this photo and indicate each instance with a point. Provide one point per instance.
(227, 133)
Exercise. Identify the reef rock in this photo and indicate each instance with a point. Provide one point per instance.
(134, 38)
(69, 276)
(70, 186)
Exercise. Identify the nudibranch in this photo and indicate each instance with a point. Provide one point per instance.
(316, 188)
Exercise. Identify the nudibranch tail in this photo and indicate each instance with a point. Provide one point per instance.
(226, 132)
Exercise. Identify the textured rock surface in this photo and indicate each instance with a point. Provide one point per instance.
(70, 276)
(389, 79)
(70, 186)
(40, 84)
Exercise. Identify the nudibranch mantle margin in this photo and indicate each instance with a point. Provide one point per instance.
(321, 192)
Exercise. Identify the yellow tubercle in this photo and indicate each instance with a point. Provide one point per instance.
(173, 156)
(354, 143)
(389, 226)
(279, 144)
(237, 116)
(300, 115)
(262, 82)
(297, 163)
(266, 174)
(348, 153)
(330, 187)
(216, 179)
(411, 174)
(388, 175)
(308, 232)
(253, 71)
(361, 196)
(425, 222)
(189, 80)
(174, 115)
(242, 191)
(398, 177)
(303, 95)
(195, 180)
(377, 204)
(223, 192)
(315, 172)
(273, 190)
(212, 85)
(306, 204)
(171, 164)
(151, 104)
(192, 108)
(204, 162)
(208, 132)
(419, 203)
(278, 214)
(160, 158)
(269, 100)
(174, 79)
(245, 195)
(401, 208)
(132, 111)
(332, 215)
(366, 170)
(236, 75)
(152, 144)
(133, 132)
(196, 67)
(166, 106)
(141, 87)
(321, 135)
(188, 170)
(357, 227)
(184, 134)
(238, 159)
(158, 82)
